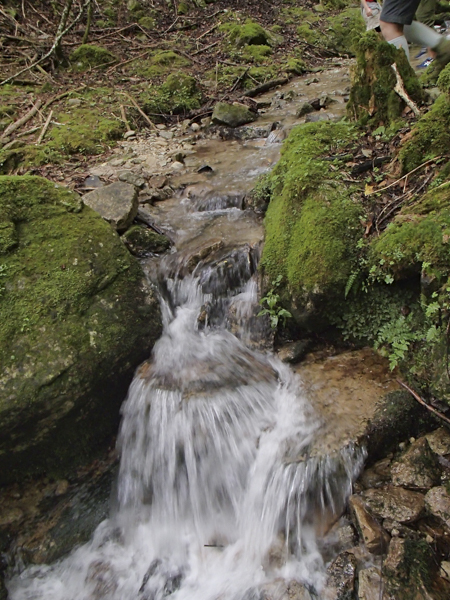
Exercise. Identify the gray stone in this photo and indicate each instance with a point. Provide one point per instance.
(128, 134)
(74, 102)
(314, 118)
(369, 583)
(341, 576)
(166, 135)
(116, 162)
(157, 181)
(116, 203)
(437, 502)
(439, 441)
(142, 241)
(377, 475)
(132, 179)
(304, 109)
(394, 503)
(374, 536)
(417, 467)
(232, 115)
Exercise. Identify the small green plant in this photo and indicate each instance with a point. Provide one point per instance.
(272, 307)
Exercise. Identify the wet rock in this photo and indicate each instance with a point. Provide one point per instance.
(149, 194)
(276, 136)
(295, 352)
(375, 537)
(116, 203)
(205, 169)
(232, 115)
(394, 503)
(439, 441)
(280, 589)
(142, 241)
(101, 578)
(341, 576)
(157, 181)
(437, 502)
(377, 475)
(304, 109)
(132, 179)
(93, 182)
(252, 133)
(369, 584)
(417, 467)
(314, 118)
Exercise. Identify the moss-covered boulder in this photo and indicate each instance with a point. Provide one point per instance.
(431, 135)
(142, 241)
(87, 56)
(232, 115)
(312, 223)
(76, 318)
(177, 95)
(248, 33)
(372, 99)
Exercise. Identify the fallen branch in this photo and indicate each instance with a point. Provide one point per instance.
(265, 87)
(407, 175)
(124, 117)
(29, 115)
(140, 111)
(400, 90)
(421, 401)
(206, 32)
(205, 48)
(44, 129)
(63, 95)
(125, 62)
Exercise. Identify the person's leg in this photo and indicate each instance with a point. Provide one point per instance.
(394, 15)
(393, 33)
(426, 12)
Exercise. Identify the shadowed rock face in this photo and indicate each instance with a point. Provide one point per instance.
(77, 317)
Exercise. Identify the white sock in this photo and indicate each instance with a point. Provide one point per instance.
(420, 34)
(400, 42)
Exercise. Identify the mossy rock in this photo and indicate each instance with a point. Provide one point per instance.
(256, 53)
(249, 33)
(232, 115)
(430, 136)
(87, 56)
(177, 95)
(344, 30)
(76, 318)
(373, 100)
(312, 222)
(141, 241)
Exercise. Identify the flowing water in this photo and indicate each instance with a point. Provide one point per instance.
(218, 494)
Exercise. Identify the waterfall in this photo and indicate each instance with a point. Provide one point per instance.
(218, 493)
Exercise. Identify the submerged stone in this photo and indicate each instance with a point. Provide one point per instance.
(76, 318)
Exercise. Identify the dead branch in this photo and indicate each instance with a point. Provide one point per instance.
(90, 9)
(61, 32)
(124, 117)
(400, 90)
(140, 111)
(206, 48)
(22, 120)
(407, 174)
(60, 96)
(265, 87)
(421, 401)
(27, 132)
(206, 32)
(44, 129)
(125, 62)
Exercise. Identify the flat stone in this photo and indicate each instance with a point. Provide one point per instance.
(394, 503)
(74, 102)
(128, 134)
(232, 115)
(132, 179)
(369, 582)
(437, 502)
(116, 203)
(157, 181)
(439, 441)
(395, 557)
(375, 537)
(177, 166)
(166, 135)
(417, 467)
(116, 162)
(314, 118)
(93, 182)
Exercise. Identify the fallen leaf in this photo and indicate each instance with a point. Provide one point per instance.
(368, 189)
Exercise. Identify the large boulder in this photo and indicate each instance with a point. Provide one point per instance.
(117, 203)
(232, 115)
(76, 318)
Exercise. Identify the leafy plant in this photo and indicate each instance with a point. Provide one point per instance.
(272, 307)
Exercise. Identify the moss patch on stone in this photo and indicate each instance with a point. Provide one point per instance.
(373, 100)
(74, 309)
(177, 95)
(160, 63)
(248, 33)
(87, 56)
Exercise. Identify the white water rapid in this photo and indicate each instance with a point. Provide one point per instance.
(217, 495)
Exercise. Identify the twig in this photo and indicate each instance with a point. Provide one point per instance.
(172, 26)
(266, 87)
(60, 96)
(62, 30)
(205, 48)
(44, 129)
(407, 174)
(400, 90)
(140, 111)
(239, 79)
(22, 120)
(206, 32)
(124, 117)
(125, 62)
(421, 401)
(28, 132)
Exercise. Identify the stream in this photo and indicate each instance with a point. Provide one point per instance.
(223, 491)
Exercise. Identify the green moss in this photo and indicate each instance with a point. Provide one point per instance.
(372, 97)
(306, 33)
(67, 292)
(178, 94)
(87, 56)
(431, 136)
(296, 14)
(312, 222)
(249, 33)
(159, 64)
(142, 241)
(344, 30)
(256, 53)
(147, 22)
(296, 66)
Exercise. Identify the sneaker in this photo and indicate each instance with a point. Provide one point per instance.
(425, 63)
(442, 52)
(421, 53)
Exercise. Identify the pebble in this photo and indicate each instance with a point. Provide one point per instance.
(167, 135)
(74, 102)
(177, 166)
(128, 134)
(195, 127)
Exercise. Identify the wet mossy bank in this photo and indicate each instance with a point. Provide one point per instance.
(76, 318)
(342, 280)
